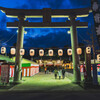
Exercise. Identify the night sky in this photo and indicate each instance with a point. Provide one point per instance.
(47, 37)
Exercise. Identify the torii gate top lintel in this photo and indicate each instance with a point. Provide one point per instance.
(38, 13)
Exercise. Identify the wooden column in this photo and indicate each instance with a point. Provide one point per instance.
(47, 15)
(88, 67)
(74, 44)
(20, 38)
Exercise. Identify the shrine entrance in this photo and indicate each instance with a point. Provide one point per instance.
(47, 14)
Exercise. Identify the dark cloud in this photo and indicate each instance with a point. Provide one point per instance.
(39, 4)
(52, 39)
(7, 37)
(80, 3)
(3, 22)
(54, 4)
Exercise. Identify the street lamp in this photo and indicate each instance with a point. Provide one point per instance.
(69, 32)
(25, 32)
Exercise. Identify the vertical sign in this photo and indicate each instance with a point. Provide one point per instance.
(95, 77)
(5, 73)
(96, 14)
(88, 67)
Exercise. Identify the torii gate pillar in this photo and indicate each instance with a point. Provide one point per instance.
(74, 44)
(20, 38)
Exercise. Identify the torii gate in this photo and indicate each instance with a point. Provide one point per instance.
(46, 14)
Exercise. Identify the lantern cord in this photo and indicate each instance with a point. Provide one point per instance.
(9, 39)
(82, 38)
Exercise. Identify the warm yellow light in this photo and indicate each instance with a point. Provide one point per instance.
(22, 52)
(88, 50)
(79, 51)
(13, 51)
(50, 52)
(98, 57)
(60, 52)
(41, 52)
(25, 32)
(69, 32)
(32, 52)
(3, 50)
(69, 52)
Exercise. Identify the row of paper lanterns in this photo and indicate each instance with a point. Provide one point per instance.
(50, 52)
(41, 51)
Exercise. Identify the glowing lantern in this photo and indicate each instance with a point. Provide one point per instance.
(69, 52)
(12, 51)
(79, 51)
(32, 52)
(88, 50)
(41, 52)
(98, 57)
(60, 52)
(3, 50)
(50, 52)
(22, 52)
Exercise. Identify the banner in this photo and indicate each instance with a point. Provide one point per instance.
(5, 73)
(96, 13)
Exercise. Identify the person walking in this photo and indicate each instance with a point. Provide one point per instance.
(45, 69)
(48, 70)
(55, 72)
(63, 73)
(59, 73)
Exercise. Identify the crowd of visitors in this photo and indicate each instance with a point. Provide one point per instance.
(60, 72)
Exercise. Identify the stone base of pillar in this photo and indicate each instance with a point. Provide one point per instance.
(17, 82)
(86, 84)
(76, 82)
(89, 85)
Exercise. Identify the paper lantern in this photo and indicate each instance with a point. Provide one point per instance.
(98, 57)
(41, 52)
(69, 52)
(32, 52)
(60, 52)
(3, 50)
(50, 52)
(79, 51)
(88, 50)
(22, 52)
(13, 51)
